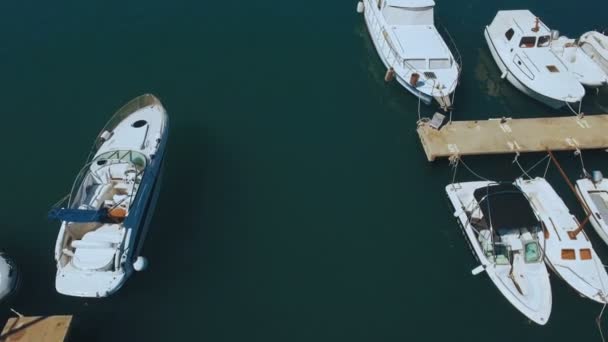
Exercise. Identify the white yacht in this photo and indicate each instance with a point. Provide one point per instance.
(409, 45)
(594, 192)
(568, 249)
(104, 225)
(580, 65)
(521, 46)
(506, 237)
(595, 45)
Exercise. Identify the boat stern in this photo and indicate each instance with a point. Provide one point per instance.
(72, 282)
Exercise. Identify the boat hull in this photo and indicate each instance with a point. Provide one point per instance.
(504, 70)
(400, 75)
(586, 276)
(538, 305)
(582, 188)
(72, 279)
(594, 49)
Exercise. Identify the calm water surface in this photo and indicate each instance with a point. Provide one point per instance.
(297, 204)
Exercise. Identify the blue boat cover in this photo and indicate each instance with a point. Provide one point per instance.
(78, 215)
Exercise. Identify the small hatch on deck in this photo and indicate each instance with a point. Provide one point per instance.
(552, 68)
(430, 75)
(139, 123)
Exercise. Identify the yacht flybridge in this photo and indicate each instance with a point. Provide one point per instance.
(507, 239)
(105, 222)
(521, 46)
(411, 48)
(567, 248)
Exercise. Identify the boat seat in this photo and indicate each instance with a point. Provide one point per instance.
(97, 248)
(97, 195)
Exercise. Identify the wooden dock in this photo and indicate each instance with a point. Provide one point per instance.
(36, 329)
(500, 136)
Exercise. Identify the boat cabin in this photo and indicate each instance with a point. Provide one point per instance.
(521, 29)
(507, 224)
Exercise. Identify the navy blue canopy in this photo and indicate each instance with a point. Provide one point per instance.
(78, 215)
(506, 207)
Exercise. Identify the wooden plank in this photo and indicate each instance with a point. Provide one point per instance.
(497, 136)
(36, 329)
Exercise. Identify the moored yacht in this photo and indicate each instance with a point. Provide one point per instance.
(595, 45)
(507, 239)
(568, 250)
(521, 46)
(105, 221)
(578, 63)
(593, 191)
(8, 277)
(411, 48)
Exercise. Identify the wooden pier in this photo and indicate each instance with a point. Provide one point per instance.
(500, 136)
(36, 329)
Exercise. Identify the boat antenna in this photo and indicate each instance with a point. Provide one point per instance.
(536, 25)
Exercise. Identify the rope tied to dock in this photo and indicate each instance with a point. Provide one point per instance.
(527, 172)
(578, 114)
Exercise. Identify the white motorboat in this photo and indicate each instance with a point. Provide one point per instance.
(8, 277)
(595, 45)
(411, 48)
(594, 192)
(106, 219)
(506, 237)
(568, 249)
(584, 69)
(520, 45)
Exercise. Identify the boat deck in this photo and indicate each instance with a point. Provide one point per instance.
(36, 329)
(502, 136)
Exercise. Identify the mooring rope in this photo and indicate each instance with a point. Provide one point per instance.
(527, 172)
(598, 320)
(580, 106)
(470, 170)
(579, 154)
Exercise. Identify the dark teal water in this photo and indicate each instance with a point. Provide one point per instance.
(297, 204)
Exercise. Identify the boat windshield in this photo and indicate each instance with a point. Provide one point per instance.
(440, 63)
(135, 158)
(110, 180)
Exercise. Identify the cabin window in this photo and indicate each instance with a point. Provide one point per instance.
(527, 42)
(585, 254)
(544, 41)
(439, 63)
(416, 63)
(509, 34)
(568, 254)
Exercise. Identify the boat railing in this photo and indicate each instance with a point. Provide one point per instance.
(451, 44)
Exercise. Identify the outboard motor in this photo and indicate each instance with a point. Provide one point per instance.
(596, 176)
(554, 34)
